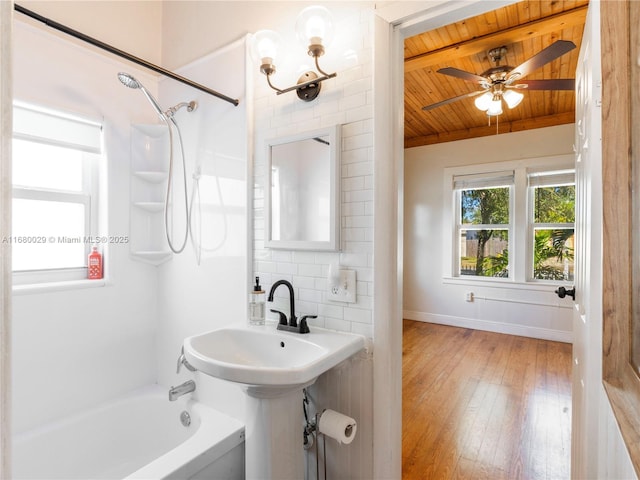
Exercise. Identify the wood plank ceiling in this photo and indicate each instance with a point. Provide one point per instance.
(525, 28)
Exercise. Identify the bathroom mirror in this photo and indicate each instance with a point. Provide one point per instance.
(301, 191)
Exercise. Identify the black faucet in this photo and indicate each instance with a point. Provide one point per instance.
(292, 324)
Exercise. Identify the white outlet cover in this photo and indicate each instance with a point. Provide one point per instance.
(345, 290)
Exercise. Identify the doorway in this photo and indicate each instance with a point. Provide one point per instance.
(493, 309)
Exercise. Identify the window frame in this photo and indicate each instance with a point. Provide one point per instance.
(520, 219)
(533, 225)
(89, 196)
(459, 226)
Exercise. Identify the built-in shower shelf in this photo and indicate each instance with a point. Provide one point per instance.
(151, 177)
(153, 207)
(149, 171)
(152, 257)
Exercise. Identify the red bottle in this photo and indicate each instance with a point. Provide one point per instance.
(95, 264)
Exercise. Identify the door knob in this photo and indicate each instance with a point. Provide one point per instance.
(563, 292)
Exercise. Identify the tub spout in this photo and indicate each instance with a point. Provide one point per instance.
(182, 389)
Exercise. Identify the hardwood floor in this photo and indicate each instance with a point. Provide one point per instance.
(484, 405)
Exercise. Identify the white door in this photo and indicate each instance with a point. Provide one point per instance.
(588, 253)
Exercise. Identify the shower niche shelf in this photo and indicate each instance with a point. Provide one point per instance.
(149, 163)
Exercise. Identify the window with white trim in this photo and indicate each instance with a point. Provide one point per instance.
(483, 223)
(552, 198)
(511, 221)
(55, 194)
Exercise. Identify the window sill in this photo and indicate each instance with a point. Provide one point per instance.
(59, 286)
(504, 283)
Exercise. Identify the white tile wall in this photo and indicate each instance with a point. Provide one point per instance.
(346, 100)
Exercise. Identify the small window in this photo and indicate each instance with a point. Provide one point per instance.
(55, 194)
(552, 198)
(483, 203)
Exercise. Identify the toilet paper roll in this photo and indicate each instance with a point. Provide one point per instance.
(338, 426)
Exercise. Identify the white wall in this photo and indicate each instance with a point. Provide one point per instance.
(133, 26)
(78, 347)
(426, 296)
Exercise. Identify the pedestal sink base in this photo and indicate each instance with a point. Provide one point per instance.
(273, 444)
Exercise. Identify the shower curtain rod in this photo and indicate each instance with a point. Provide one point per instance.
(123, 54)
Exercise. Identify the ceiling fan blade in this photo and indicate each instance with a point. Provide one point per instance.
(552, 84)
(453, 99)
(543, 57)
(469, 77)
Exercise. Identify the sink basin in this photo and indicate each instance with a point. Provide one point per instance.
(264, 356)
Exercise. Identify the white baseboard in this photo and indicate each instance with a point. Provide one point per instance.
(489, 326)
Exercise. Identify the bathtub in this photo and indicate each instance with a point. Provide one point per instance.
(140, 436)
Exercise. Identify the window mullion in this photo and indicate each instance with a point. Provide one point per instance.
(519, 224)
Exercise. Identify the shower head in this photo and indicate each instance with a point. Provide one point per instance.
(129, 81)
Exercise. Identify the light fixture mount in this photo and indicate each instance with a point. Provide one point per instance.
(309, 87)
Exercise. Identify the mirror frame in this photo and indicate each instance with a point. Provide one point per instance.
(333, 244)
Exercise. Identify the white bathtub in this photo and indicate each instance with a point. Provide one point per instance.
(138, 437)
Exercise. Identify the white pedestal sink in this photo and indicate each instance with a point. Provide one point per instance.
(273, 367)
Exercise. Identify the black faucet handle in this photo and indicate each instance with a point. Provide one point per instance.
(283, 317)
(304, 328)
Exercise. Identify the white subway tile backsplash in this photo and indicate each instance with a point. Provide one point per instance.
(304, 257)
(359, 221)
(359, 169)
(345, 100)
(281, 256)
(359, 195)
(304, 282)
(333, 311)
(306, 308)
(337, 324)
(354, 260)
(310, 270)
(287, 268)
(357, 315)
(352, 183)
(353, 208)
(353, 234)
(355, 156)
(268, 267)
(362, 329)
(310, 295)
(363, 140)
(362, 247)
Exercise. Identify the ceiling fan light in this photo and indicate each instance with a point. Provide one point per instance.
(483, 101)
(512, 98)
(495, 107)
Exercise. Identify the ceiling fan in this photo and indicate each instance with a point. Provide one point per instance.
(499, 82)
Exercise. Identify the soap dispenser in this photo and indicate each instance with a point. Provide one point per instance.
(256, 304)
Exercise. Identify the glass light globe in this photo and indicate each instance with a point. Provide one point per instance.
(512, 98)
(265, 46)
(314, 26)
(483, 101)
(495, 106)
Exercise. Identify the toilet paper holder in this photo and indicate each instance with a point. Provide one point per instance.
(313, 428)
(328, 423)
